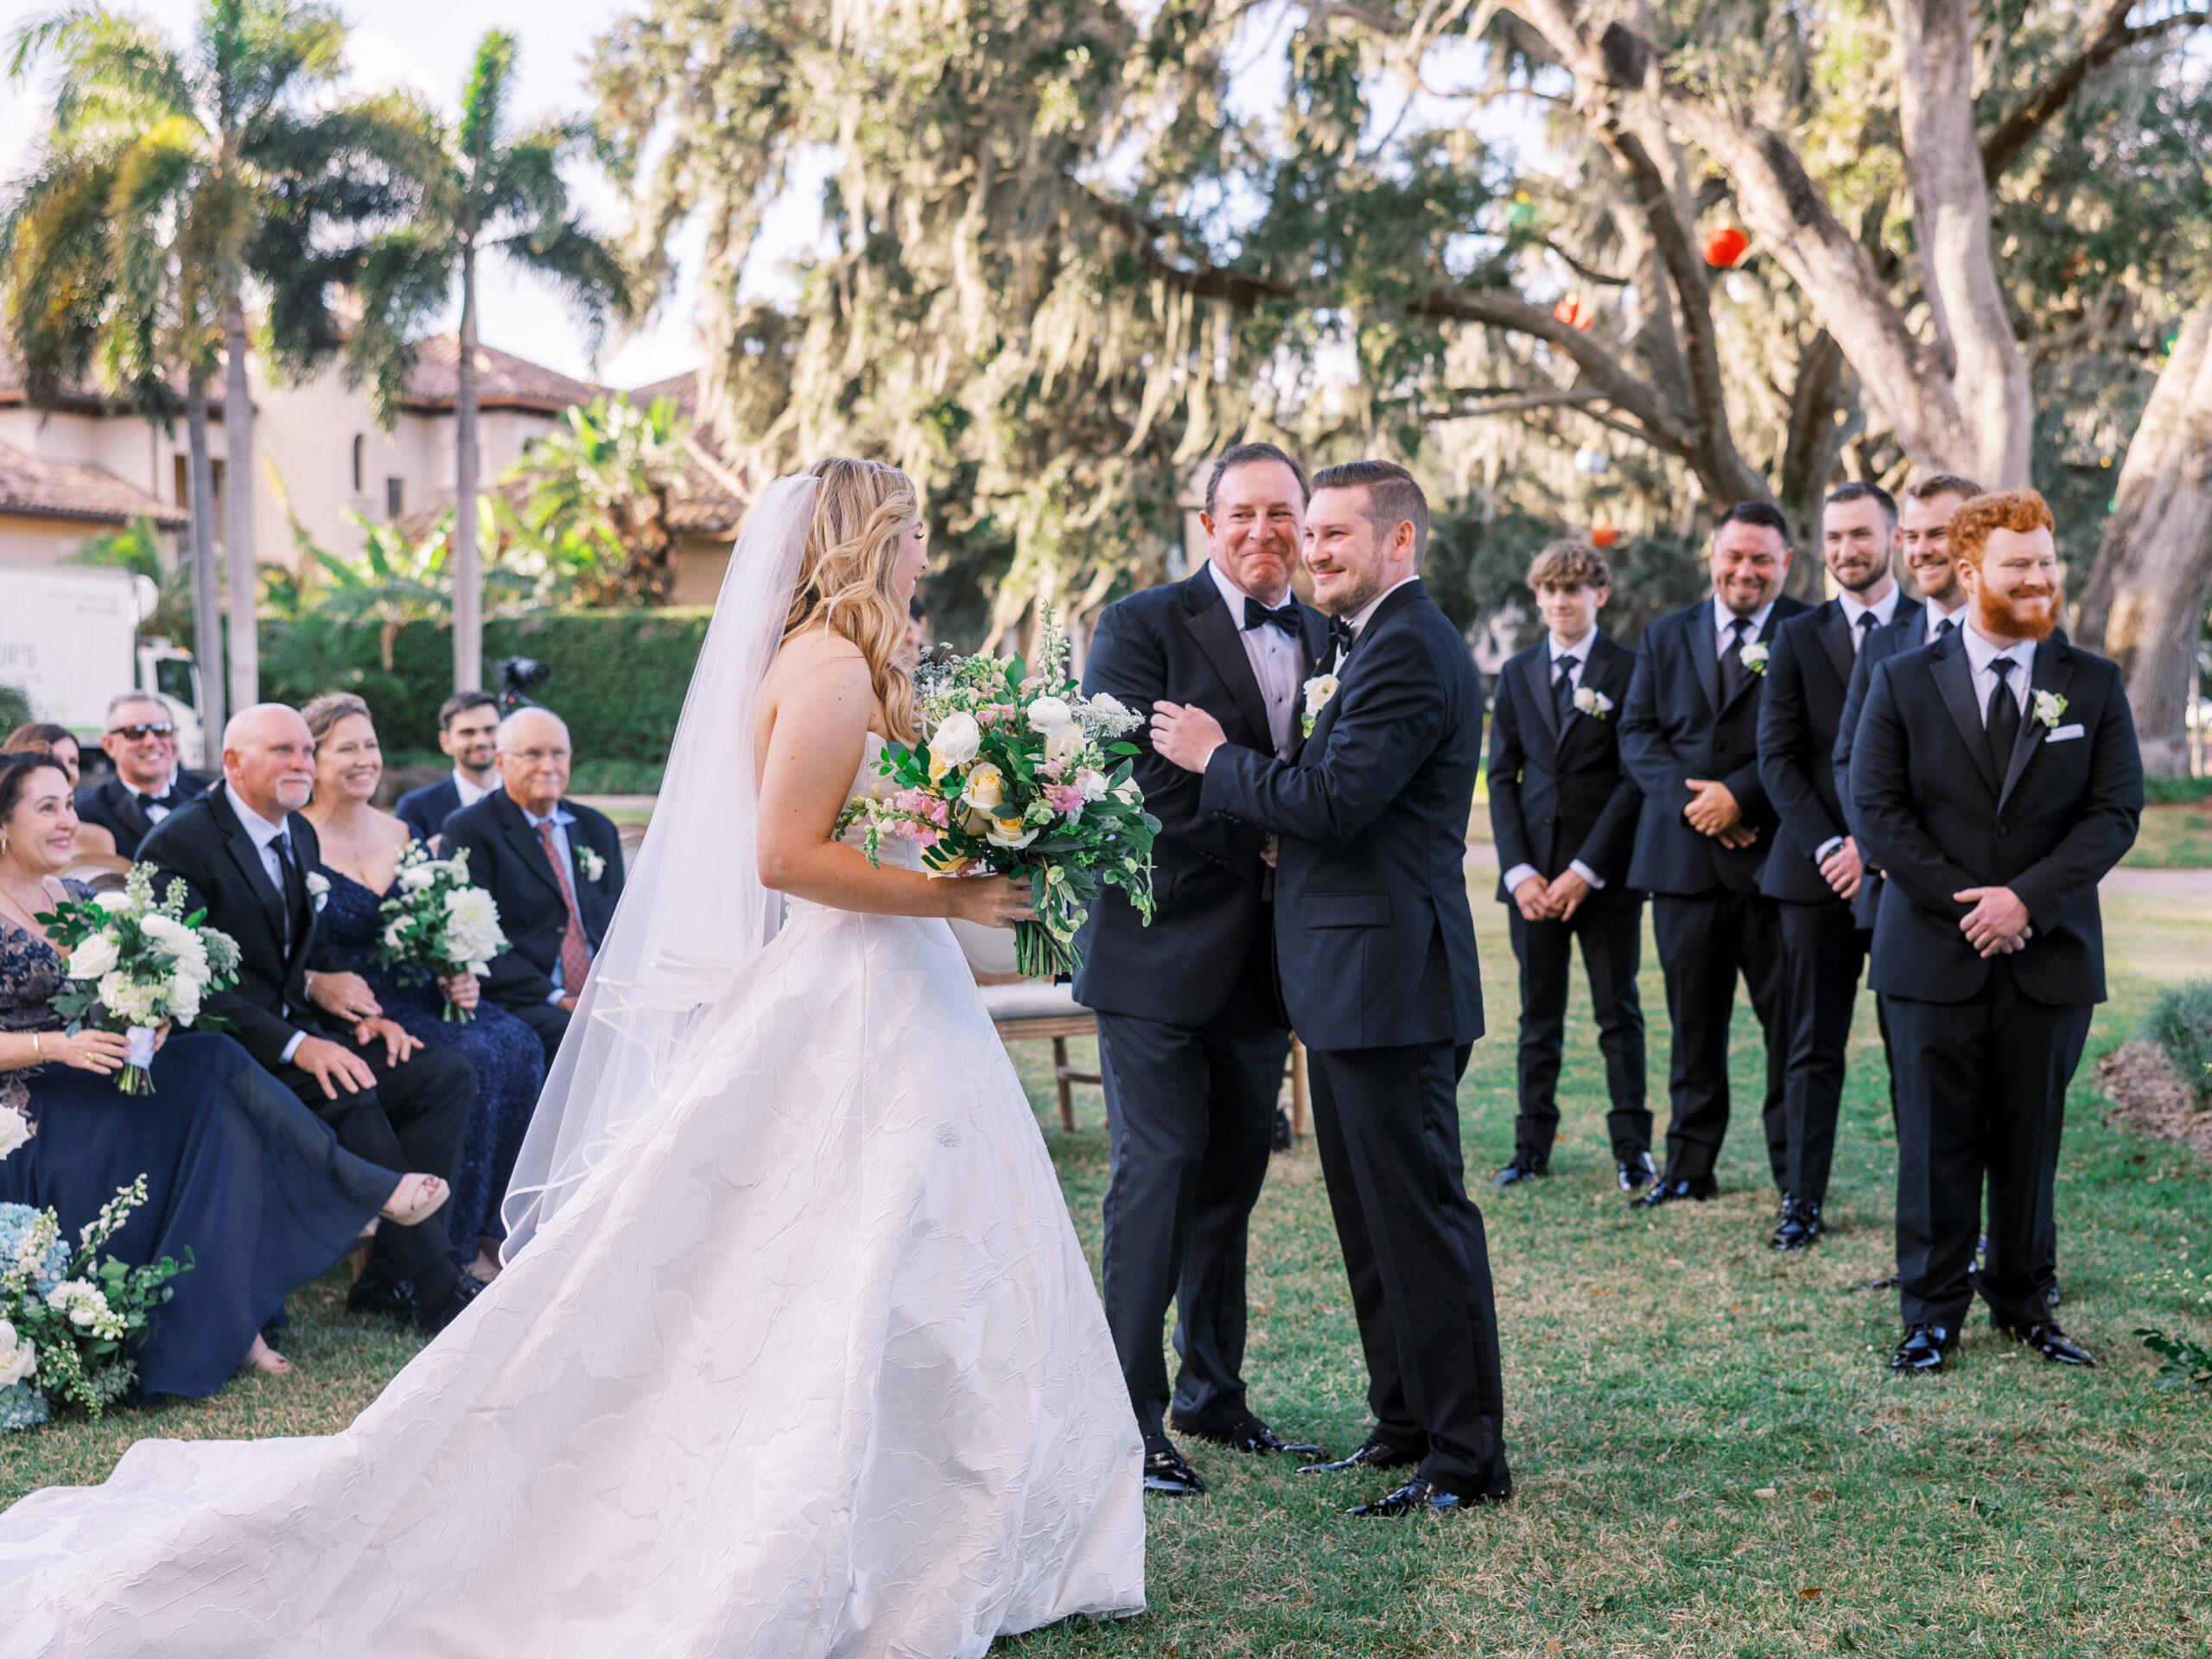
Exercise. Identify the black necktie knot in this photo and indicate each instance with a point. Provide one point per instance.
(1340, 633)
(1284, 616)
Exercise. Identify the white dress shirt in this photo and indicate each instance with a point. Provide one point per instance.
(1724, 619)
(1936, 619)
(1278, 661)
(1572, 661)
(146, 798)
(469, 791)
(265, 835)
(1881, 610)
(1982, 652)
(560, 819)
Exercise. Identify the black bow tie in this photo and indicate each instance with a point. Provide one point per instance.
(1286, 617)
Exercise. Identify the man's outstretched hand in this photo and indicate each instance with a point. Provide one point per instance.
(1185, 735)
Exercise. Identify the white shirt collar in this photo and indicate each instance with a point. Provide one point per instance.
(1365, 613)
(469, 791)
(1723, 618)
(167, 784)
(1234, 597)
(1580, 651)
(1933, 616)
(1982, 652)
(560, 815)
(259, 827)
(1884, 608)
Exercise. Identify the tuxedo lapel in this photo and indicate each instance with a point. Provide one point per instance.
(1220, 637)
(2054, 668)
(1955, 679)
(122, 801)
(244, 854)
(1836, 638)
(1535, 677)
(1706, 653)
(1599, 674)
(529, 850)
(1774, 618)
(1316, 640)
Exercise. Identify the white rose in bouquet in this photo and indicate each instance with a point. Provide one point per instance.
(18, 1357)
(1008, 832)
(986, 787)
(956, 741)
(1050, 716)
(184, 999)
(113, 901)
(95, 958)
(1091, 782)
(415, 877)
(129, 1002)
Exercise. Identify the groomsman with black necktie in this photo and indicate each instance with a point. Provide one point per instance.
(1995, 777)
(1689, 738)
(1814, 871)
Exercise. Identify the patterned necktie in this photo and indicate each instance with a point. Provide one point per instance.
(1563, 690)
(1732, 660)
(290, 889)
(1859, 634)
(2003, 724)
(576, 958)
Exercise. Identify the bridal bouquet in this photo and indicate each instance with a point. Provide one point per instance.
(1019, 771)
(133, 964)
(69, 1320)
(438, 926)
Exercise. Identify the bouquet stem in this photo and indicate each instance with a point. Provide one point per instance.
(1037, 955)
(135, 1080)
(454, 1014)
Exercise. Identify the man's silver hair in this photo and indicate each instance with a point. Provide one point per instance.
(507, 722)
(122, 700)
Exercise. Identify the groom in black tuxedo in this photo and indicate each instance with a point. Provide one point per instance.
(1996, 779)
(1376, 948)
(1191, 1033)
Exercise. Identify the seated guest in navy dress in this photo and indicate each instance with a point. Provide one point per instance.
(360, 859)
(48, 737)
(239, 1172)
(468, 731)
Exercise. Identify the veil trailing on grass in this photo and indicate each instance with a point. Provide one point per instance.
(693, 909)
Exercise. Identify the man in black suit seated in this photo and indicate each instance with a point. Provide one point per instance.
(468, 732)
(244, 855)
(1815, 870)
(1376, 943)
(555, 866)
(1191, 1037)
(1689, 737)
(1563, 812)
(148, 785)
(1996, 779)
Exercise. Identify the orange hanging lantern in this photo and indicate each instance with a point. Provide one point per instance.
(1602, 534)
(1725, 246)
(1574, 314)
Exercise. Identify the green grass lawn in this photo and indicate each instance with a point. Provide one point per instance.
(2173, 838)
(1709, 1454)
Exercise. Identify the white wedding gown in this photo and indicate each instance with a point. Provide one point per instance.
(812, 1365)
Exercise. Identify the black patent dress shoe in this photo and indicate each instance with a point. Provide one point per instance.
(1418, 1497)
(1924, 1350)
(2053, 1343)
(1800, 1225)
(1251, 1435)
(1520, 1170)
(1698, 1189)
(1167, 1473)
(389, 1299)
(1372, 1454)
(1281, 1136)
(435, 1316)
(1635, 1174)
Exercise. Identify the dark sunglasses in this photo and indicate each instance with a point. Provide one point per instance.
(144, 729)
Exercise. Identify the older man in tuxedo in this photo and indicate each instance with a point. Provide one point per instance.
(1996, 779)
(468, 733)
(1191, 1037)
(555, 866)
(1814, 869)
(1689, 737)
(148, 785)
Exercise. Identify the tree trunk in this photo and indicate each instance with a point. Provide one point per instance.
(206, 575)
(237, 487)
(2145, 598)
(467, 563)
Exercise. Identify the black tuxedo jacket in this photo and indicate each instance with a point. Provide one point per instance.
(425, 811)
(1677, 726)
(111, 804)
(507, 860)
(1559, 796)
(1373, 937)
(1935, 816)
(1808, 678)
(203, 844)
(1180, 643)
(1899, 634)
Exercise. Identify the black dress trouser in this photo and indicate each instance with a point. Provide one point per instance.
(1981, 1095)
(1612, 937)
(1705, 940)
(412, 1120)
(1386, 1122)
(1824, 952)
(548, 1020)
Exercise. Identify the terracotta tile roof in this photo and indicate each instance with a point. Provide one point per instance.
(83, 399)
(503, 380)
(30, 487)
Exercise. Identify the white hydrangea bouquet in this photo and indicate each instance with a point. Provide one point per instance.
(135, 965)
(69, 1321)
(1019, 773)
(437, 926)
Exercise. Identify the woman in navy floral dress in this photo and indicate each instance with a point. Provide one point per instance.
(362, 847)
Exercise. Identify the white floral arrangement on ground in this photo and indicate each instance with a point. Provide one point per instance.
(437, 926)
(70, 1323)
(1019, 773)
(135, 965)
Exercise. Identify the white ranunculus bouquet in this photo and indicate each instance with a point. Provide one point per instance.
(135, 965)
(437, 926)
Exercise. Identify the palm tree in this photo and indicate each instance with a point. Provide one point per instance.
(493, 191)
(599, 492)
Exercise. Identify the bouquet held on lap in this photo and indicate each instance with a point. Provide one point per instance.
(437, 926)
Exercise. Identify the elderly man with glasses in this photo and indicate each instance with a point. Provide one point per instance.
(148, 785)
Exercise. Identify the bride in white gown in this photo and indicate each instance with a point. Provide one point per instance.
(796, 1353)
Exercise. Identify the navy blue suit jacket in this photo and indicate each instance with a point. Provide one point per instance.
(425, 811)
(1556, 796)
(507, 859)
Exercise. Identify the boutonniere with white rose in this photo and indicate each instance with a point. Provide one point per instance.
(1319, 691)
(1754, 656)
(318, 889)
(1588, 700)
(589, 861)
(2048, 709)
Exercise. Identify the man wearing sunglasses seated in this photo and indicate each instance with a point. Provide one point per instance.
(148, 785)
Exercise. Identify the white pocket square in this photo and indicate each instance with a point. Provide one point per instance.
(2062, 734)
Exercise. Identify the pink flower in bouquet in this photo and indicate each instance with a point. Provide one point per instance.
(1064, 797)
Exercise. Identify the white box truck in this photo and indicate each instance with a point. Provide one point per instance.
(69, 642)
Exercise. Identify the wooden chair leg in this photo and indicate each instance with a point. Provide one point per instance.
(1297, 1087)
(1060, 1078)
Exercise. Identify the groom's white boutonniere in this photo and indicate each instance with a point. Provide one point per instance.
(2048, 709)
(318, 889)
(1754, 656)
(1319, 690)
(589, 861)
(1588, 700)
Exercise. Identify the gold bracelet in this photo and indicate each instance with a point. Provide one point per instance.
(38, 1049)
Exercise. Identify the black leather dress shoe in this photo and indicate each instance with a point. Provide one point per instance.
(1417, 1496)
(2053, 1343)
(1372, 1454)
(1635, 1174)
(1167, 1473)
(1518, 1171)
(390, 1298)
(1924, 1350)
(1800, 1225)
(1699, 1189)
(1251, 1435)
(435, 1316)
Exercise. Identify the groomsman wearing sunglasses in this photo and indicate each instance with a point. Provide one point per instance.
(148, 785)
(1995, 777)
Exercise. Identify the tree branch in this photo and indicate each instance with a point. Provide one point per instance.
(2111, 37)
(1588, 273)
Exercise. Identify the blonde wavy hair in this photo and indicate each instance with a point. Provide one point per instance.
(844, 580)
